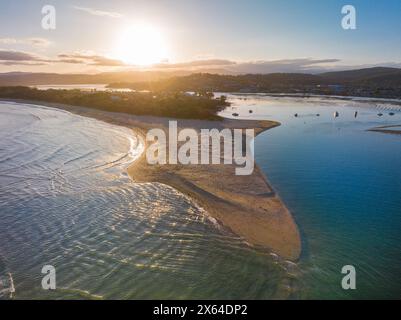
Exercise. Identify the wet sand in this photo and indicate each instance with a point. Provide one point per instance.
(392, 129)
(246, 205)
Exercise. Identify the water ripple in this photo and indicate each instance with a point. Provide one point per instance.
(64, 202)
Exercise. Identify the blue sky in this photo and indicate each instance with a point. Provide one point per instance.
(247, 33)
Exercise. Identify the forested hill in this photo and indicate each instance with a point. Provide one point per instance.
(372, 82)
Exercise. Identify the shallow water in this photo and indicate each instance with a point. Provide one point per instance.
(81, 87)
(342, 184)
(66, 201)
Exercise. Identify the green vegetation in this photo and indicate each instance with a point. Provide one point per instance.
(201, 105)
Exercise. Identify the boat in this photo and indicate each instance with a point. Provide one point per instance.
(296, 115)
(380, 114)
(336, 114)
(235, 114)
(355, 114)
(391, 113)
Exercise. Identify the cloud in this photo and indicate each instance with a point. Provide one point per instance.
(195, 64)
(37, 42)
(10, 55)
(262, 66)
(21, 63)
(305, 65)
(40, 42)
(93, 60)
(100, 13)
(10, 58)
(89, 58)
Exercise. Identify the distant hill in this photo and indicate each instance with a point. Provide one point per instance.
(368, 75)
(225, 83)
(386, 81)
(379, 81)
(371, 82)
(29, 79)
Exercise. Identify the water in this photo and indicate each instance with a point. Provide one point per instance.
(83, 87)
(342, 184)
(66, 201)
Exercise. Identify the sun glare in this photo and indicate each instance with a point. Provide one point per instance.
(141, 45)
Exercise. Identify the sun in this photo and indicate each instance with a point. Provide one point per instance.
(141, 45)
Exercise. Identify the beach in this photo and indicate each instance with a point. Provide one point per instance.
(248, 206)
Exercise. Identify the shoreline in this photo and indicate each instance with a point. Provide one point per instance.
(392, 101)
(246, 205)
(386, 129)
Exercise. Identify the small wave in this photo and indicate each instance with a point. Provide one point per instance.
(81, 293)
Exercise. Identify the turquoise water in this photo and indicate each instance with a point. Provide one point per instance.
(343, 186)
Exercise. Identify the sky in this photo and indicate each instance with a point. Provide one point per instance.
(240, 36)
